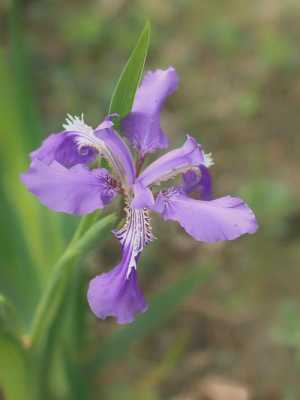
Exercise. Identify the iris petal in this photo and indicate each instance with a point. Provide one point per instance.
(74, 191)
(142, 125)
(143, 197)
(115, 150)
(225, 218)
(117, 294)
(107, 144)
(198, 183)
(62, 148)
(172, 163)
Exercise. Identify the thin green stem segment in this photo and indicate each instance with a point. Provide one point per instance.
(54, 292)
(85, 223)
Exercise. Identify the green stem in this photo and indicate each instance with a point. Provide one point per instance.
(54, 292)
(84, 224)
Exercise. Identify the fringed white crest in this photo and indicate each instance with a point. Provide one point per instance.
(84, 137)
(208, 160)
(77, 124)
(83, 133)
(135, 234)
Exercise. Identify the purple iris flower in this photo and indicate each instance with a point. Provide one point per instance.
(63, 176)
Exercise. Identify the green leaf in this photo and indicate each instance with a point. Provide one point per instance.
(21, 230)
(161, 309)
(30, 235)
(16, 379)
(28, 136)
(8, 317)
(60, 355)
(123, 96)
(19, 57)
(64, 333)
(58, 283)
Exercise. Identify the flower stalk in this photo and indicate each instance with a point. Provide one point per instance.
(77, 248)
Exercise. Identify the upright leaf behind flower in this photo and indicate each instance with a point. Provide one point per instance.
(123, 95)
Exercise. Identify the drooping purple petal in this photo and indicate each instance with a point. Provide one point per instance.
(62, 148)
(142, 124)
(173, 163)
(74, 191)
(118, 154)
(225, 218)
(116, 293)
(198, 183)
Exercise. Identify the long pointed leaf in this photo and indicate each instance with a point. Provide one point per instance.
(123, 96)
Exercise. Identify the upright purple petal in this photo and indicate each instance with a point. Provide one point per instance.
(116, 293)
(173, 163)
(142, 125)
(198, 183)
(225, 218)
(77, 190)
(62, 148)
(118, 155)
(106, 123)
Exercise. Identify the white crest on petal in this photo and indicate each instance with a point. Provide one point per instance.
(77, 124)
(84, 136)
(83, 133)
(208, 160)
(135, 234)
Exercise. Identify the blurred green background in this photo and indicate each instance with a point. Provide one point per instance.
(236, 337)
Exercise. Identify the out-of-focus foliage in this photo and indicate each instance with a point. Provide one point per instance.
(239, 95)
(15, 377)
